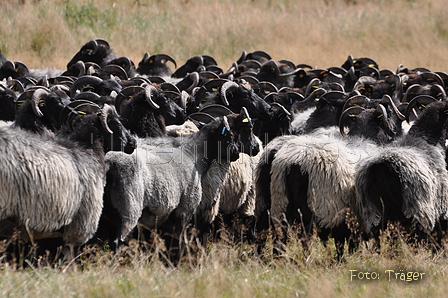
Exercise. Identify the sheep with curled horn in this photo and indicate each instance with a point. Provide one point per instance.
(13, 69)
(102, 87)
(162, 188)
(279, 73)
(53, 184)
(406, 182)
(155, 65)
(146, 110)
(327, 111)
(228, 186)
(309, 179)
(38, 109)
(234, 96)
(381, 122)
(196, 63)
(434, 90)
(97, 51)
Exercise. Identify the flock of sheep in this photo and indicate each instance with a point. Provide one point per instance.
(90, 153)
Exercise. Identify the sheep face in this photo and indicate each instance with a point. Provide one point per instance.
(155, 65)
(243, 129)
(222, 144)
(7, 104)
(120, 139)
(171, 111)
(255, 105)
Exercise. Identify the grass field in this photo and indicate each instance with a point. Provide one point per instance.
(322, 33)
(47, 33)
(233, 270)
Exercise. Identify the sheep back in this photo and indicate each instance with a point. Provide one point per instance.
(422, 185)
(48, 186)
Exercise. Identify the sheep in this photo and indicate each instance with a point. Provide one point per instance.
(155, 65)
(193, 64)
(310, 178)
(39, 109)
(57, 181)
(228, 187)
(97, 51)
(407, 181)
(147, 110)
(7, 104)
(161, 182)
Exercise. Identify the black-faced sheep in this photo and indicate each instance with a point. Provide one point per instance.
(163, 182)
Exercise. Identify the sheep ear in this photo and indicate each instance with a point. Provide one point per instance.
(244, 114)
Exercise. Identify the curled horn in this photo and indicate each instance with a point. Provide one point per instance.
(431, 77)
(381, 109)
(9, 65)
(262, 54)
(83, 108)
(315, 94)
(357, 100)
(419, 102)
(107, 111)
(116, 71)
(126, 93)
(92, 96)
(216, 110)
(442, 94)
(242, 57)
(81, 67)
(364, 80)
(388, 100)
(200, 118)
(169, 87)
(71, 108)
(82, 81)
(37, 96)
(227, 87)
(93, 44)
(162, 57)
(349, 113)
(102, 42)
(151, 91)
(194, 77)
(411, 90)
(284, 110)
(314, 83)
(15, 85)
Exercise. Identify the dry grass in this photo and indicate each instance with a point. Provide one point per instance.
(234, 270)
(322, 33)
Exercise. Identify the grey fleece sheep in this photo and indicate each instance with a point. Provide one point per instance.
(46, 186)
(407, 182)
(49, 182)
(165, 180)
(330, 165)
